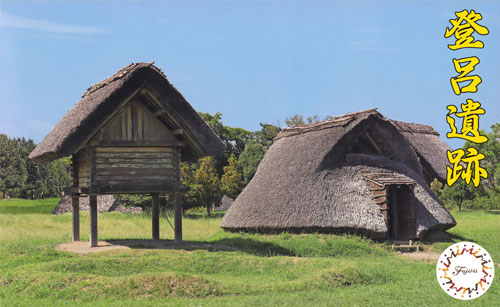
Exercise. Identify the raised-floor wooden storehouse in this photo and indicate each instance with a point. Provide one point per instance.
(360, 172)
(128, 134)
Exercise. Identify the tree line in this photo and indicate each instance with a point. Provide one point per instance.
(227, 174)
(21, 177)
(487, 194)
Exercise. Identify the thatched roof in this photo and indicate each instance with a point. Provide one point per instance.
(105, 203)
(430, 148)
(103, 98)
(312, 178)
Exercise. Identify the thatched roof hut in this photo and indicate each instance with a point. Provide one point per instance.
(356, 173)
(128, 134)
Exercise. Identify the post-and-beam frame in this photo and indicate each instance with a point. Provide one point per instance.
(75, 202)
(76, 192)
(155, 213)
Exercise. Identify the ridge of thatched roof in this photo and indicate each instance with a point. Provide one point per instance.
(414, 128)
(307, 182)
(102, 98)
(423, 138)
(326, 124)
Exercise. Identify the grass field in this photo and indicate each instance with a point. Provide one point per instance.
(231, 270)
(23, 206)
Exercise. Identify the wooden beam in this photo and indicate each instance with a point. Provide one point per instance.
(93, 220)
(175, 143)
(373, 143)
(160, 112)
(111, 115)
(194, 144)
(92, 166)
(155, 210)
(176, 188)
(138, 190)
(75, 204)
(178, 217)
(177, 132)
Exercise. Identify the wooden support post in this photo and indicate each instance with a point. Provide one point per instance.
(75, 200)
(178, 217)
(93, 220)
(155, 212)
(75, 203)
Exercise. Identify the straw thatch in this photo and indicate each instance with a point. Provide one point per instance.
(313, 178)
(429, 148)
(100, 101)
(105, 203)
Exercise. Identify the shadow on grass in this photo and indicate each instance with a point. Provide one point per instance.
(443, 237)
(245, 245)
(197, 216)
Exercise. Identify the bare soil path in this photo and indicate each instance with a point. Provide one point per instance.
(84, 248)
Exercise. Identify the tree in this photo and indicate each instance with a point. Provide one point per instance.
(266, 135)
(207, 183)
(232, 179)
(12, 166)
(250, 158)
(235, 139)
(191, 198)
(458, 194)
(486, 195)
(491, 161)
(23, 177)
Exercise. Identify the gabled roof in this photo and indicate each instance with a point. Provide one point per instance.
(103, 98)
(423, 138)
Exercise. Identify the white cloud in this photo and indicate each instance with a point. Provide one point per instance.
(17, 22)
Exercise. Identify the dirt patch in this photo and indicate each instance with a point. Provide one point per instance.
(84, 247)
(421, 255)
(187, 246)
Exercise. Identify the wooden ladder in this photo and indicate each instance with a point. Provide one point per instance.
(405, 246)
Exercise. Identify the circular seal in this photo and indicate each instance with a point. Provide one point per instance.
(465, 270)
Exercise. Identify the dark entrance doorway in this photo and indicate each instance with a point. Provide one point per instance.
(401, 212)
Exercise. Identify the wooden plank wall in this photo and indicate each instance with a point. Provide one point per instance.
(379, 195)
(134, 122)
(84, 168)
(135, 166)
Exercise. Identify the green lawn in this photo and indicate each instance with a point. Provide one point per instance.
(23, 206)
(232, 269)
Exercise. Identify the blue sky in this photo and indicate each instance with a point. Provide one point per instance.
(253, 61)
